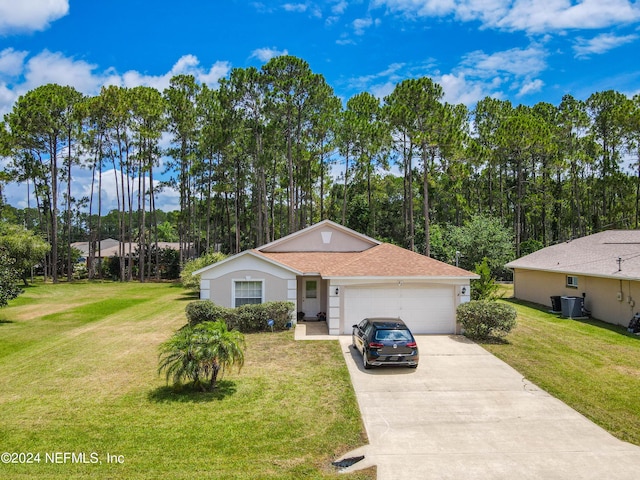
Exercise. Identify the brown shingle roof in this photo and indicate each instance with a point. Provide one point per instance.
(384, 260)
(594, 255)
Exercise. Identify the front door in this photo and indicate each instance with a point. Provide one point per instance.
(311, 296)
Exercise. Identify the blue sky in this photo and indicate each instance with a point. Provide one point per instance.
(526, 51)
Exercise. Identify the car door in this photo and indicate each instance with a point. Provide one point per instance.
(359, 334)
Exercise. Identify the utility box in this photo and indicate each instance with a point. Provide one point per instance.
(572, 307)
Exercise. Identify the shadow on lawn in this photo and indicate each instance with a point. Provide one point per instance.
(2, 320)
(492, 341)
(188, 394)
(189, 296)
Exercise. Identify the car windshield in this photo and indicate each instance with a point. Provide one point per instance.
(393, 335)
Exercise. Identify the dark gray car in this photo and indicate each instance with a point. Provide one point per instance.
(385, 341)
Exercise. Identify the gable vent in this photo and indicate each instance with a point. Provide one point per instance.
(326, 237)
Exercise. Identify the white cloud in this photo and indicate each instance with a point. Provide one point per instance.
(11, 62)
(266, 54)
(516, 61)
(361, 24)
(20, 76)
(548, 15)
(600, 44)
(530, 86)
(53, 67)
(311, 9)
(339, 8)
(7, 97)
(485, 74)
(376, 81)
(30, 15)
(535, 16)
(460, 89)
(344, 40)
(478, 75)
(186, 65)
(295, 7)
(383, 89)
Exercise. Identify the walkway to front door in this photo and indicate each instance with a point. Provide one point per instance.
(313, 331)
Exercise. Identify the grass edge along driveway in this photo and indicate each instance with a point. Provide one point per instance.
(592, 366)
(78, 375)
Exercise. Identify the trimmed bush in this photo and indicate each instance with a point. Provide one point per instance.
(246, 319)
(205, 311)
(254, 318)
(482, 319)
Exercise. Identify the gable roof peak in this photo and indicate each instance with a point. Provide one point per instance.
(318, 237)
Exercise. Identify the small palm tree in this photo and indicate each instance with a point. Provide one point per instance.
(201, 353)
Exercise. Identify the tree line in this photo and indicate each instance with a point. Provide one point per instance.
(272, 150)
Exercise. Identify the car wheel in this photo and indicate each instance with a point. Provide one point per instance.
(413, 366)
(365, 363)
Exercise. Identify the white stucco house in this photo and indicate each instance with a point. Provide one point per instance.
(604, 268)
(327, 268)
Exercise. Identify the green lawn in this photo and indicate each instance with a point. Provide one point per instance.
(590, 365)
(78, 374)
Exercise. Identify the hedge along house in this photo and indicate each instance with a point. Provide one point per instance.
(330, 271)
(603, 267)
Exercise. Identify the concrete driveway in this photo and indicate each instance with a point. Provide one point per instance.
(464, 414)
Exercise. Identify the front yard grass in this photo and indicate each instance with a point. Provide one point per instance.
(78, 375)
(592, 366)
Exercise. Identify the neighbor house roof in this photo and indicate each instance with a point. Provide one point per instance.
(610, 254)
(382, 260)
(110, 247)
(104, 245)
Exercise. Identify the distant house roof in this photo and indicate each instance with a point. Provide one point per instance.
(110, 247)
(610, 254)
(106, 244)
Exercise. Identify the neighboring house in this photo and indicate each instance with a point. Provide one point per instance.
(110, 247)
(330, 270)
(604, 268)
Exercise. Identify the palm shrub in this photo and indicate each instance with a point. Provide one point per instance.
(201, 354)
(482, 319)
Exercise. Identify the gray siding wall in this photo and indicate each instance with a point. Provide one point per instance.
(275, 288)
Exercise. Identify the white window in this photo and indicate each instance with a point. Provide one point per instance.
(572, 281)
(247, 291)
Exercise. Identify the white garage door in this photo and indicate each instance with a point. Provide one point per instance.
(429, 309)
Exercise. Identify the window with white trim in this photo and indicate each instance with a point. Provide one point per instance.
(572, 281)
(247, 292)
